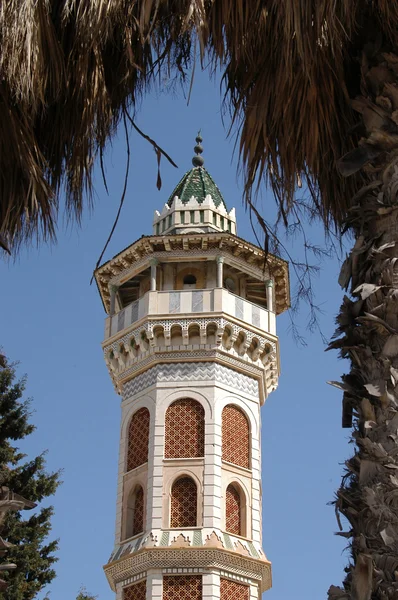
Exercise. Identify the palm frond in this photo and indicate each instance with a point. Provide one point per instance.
(70, 69)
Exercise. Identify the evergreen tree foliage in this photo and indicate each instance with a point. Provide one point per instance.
(84, 595)
(33, 554)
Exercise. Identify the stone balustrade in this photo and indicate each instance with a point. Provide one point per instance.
(187, 303)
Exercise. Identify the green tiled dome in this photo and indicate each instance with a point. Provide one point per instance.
(197, 183)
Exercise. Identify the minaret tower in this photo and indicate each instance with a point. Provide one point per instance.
(191, 346)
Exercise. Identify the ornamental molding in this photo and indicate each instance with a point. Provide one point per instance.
(131, 580)
(266, 376)
(233, 247)
(180, 372)
(130, 565)
(201, 355)
(146, 330)
(259, 272)
(137, 350)
(198, 537)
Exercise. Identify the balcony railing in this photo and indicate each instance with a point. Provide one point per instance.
(189, 303)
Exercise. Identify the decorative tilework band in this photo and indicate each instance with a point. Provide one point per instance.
(177, 372)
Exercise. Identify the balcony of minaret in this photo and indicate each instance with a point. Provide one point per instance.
(193, 297)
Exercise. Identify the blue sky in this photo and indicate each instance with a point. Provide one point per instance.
(52, 322)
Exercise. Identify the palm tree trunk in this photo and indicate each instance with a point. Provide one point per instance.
(367, 334)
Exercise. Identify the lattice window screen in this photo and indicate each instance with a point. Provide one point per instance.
(185, 429)
(138, 519)
(188, 587)
(235, 437)
(183, 503)
(233, 511)
(137, 591)
(232, 590)
(138, 438)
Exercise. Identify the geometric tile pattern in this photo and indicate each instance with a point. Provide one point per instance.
(191, 372)
(231, 590)
(138, 437)
(184, 429)
(236, 564)
(187, 587)
(170, 538)
(232, 511)
(135, 592)
(138, 519)
(235, 437)
(183, 511)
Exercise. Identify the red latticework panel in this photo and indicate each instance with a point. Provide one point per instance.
(138, 520)
(235, 437)
(185, 429)
(137, 591)
(231, 590)
(232, 511)
(183, 503)
(188, 587)
(138, 437)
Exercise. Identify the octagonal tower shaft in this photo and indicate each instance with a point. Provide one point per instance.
(191, 346)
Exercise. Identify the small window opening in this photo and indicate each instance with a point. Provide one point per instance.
(229, 284)
(222, 223)
(182, 217)
(202, 216)
(169, 224)
(163, 224)
(214, 219)
(192, 213)
(229, 226)
(189, 281)
(157, 228)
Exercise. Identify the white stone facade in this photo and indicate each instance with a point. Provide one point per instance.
(211, 474)
(191, 324)
(191, 217)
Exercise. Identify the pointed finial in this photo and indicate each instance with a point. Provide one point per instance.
(198, 160)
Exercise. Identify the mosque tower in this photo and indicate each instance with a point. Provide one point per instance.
(191, 346)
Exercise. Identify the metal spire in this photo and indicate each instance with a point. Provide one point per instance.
(198, 161)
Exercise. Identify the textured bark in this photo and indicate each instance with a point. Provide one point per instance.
(367, 334)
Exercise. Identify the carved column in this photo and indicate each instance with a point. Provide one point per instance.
(220, 269)
(153, 262)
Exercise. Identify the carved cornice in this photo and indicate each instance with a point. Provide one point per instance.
(147, 324)
(204, 558)
(130, 354)
(176, 247)
(267, 377)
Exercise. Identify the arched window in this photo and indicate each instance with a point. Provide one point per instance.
(138, 437)
(137, 591)
(135, 512)
(184, 500)
(189, 281)
(235, 437)
(184, 429)
(233, 510)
